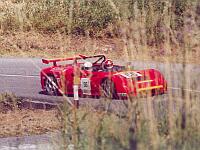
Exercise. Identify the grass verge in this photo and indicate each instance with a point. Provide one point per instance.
(147, 124)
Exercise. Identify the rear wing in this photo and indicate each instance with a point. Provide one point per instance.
(47, 61)
(54, 61)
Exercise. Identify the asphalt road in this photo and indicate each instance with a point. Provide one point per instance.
(21, 77)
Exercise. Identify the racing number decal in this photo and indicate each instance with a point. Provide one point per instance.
(85, 83)
(85, 86)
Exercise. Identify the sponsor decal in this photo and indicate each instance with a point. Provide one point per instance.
(145, 81)
(56, 69)
(150, 88)
(130, 74)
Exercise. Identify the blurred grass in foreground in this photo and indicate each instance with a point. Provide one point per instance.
(144, 124)
(156, 28)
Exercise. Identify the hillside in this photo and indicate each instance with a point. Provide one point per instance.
(136, 29)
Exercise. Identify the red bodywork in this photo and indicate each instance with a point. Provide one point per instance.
(126, 82)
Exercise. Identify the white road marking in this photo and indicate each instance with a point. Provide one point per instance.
(189, 90)
(14, 75)
(32, 76)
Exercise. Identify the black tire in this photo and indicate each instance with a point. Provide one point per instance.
(51, 86)
(108, 89)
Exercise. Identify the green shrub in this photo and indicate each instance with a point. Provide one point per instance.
(53, 15)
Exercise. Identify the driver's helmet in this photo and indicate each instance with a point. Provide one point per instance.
(87, 66)
(108, 64)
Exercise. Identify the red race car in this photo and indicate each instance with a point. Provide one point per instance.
(98, 76)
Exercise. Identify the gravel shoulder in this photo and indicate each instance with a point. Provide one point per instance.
(28, 122)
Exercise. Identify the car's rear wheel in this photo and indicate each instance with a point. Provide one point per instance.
(108, 89)
(51, 86)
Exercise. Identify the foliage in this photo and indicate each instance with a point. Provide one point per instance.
(53, 15)
(92, 16)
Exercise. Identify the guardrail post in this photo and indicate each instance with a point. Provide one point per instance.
(76, 97)
(76, 84)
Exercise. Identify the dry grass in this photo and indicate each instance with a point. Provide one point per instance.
(33, 44)
(17, 121)
(146, 124)
(147, 33)
(28, 122)
(40, 29)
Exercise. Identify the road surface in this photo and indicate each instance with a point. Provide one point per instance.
(21, 76)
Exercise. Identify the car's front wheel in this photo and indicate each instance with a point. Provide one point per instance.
(51, 86)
